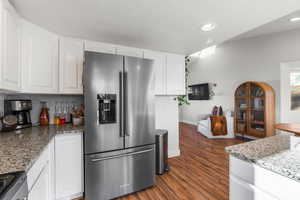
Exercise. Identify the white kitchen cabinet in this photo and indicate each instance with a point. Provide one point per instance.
(240, 189)
(160, 70)
(51, 149)
(68, 166)
(175, 74)
(10, 40)
(99, 47)
(33, 61)
(39, 59)
(70, 65)
(41, 188)
(58, 172)
(39, 176)
(130, 51)
(250, 181)
(166, 117)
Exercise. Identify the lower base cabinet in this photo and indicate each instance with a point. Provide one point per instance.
(41, 188)
(241, 190)
(68, 166)
(249, 181)
(58, 173)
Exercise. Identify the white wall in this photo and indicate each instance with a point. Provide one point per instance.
(166, 117)
(251, 59)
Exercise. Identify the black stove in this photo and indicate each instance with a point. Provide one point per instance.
(5, 181)
(13, 186)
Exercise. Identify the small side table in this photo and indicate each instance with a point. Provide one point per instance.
(218, 125)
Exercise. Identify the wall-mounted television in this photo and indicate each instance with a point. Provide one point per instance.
(199, 92)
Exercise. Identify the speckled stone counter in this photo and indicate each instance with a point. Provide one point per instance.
(20, 149)
(280, 154)
(251, 151)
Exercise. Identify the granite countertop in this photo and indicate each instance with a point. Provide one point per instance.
(20, 149)
(280, 154)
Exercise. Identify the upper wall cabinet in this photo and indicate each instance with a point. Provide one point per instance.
(10, 40)
(175, 70)
(100, 47)
(160, 70)
(70, 65)
(130, 51)
(39, 60)
(33, 60)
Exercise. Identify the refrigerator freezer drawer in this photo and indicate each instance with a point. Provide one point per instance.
(108, 177)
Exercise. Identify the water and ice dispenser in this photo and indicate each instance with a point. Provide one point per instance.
(107, 108)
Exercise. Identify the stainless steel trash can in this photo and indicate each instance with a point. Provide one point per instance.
(161, 140)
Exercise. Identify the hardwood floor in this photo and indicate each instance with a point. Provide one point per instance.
(199, 173)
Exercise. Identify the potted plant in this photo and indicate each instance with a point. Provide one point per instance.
(183, 99)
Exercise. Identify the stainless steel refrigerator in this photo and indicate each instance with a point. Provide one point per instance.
(119, 125)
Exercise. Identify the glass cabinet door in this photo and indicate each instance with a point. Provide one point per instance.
(242, 91)
(256, 91)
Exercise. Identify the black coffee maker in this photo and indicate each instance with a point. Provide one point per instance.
(21, 110)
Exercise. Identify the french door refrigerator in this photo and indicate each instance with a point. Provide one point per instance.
(119, 125)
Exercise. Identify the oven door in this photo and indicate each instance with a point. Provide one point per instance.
(22, 193)
(18, 190)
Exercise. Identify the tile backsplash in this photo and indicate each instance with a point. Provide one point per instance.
(36, 102)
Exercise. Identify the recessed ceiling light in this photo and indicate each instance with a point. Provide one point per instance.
(295, 19)
(208, 27)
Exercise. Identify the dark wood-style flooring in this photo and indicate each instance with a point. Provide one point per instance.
(199, 173)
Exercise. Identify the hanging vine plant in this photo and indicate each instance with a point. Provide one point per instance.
(183, 99)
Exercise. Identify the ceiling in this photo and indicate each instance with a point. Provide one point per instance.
(280, 25)
(164, 25)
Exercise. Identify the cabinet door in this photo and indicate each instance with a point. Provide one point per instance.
(160, 70)
(40, 189)
(175, 74)
(68, 165)
(39, 60)
(51, 150)
(70, 66)
(100, 47)
(11, 73)
(130, 51)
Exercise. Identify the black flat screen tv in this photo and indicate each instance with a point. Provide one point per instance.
(199, 92)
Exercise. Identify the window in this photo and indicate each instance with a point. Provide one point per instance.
(295, 90)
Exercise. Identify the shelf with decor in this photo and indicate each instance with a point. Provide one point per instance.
(254, 109)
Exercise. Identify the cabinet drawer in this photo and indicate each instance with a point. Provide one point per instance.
(113, 173)
(37, 168)
(243, 190)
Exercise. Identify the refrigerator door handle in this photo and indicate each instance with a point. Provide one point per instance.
(122, 155)
(121, 101)
(125, 121)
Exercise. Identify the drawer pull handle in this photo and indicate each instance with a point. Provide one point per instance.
(123, 155)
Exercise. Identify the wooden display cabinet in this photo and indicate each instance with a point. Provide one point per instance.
(254, 109)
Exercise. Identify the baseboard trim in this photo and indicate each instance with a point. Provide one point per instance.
(173, 153)
(72, 197)
(189, 122)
